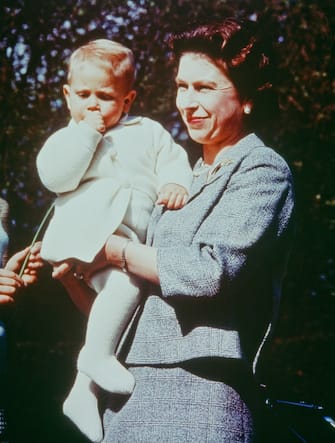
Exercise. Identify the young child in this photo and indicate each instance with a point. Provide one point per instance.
(108, 171)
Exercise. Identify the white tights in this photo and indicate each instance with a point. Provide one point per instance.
(118, 295)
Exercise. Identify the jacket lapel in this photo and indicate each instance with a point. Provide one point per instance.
(207, 176)
(225, 164)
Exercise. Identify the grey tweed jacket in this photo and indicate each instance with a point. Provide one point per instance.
(221, 261)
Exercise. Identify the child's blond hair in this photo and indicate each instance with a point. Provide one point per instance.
(112, 55)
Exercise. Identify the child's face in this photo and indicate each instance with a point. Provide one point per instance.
(93, 88)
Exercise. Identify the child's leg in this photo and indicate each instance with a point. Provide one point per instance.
(81, 406)
(108, 319)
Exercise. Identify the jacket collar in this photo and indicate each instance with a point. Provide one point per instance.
(225, 161)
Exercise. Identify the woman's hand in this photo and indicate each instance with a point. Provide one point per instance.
(71, 275)
(118, 252)
(108, 256)
(60, 269)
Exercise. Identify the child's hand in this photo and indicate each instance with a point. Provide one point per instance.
(172, 196)
(95, 120)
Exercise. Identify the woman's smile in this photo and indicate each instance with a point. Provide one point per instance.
(194, 121)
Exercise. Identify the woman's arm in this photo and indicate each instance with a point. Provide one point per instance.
(81, 294)
(238, 235)
(243, 232)
(138, 259)
(118, 251)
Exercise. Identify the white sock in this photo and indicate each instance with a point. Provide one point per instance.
(107, 372)
(81, 406)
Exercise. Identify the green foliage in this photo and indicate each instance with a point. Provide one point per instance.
(37, 38)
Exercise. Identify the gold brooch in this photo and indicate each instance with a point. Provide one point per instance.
(217, 167)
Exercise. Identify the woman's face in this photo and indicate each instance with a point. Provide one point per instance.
(208, 102)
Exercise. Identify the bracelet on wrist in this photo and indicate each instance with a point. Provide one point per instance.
(123, 265)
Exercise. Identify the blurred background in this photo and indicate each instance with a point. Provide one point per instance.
(45, 331)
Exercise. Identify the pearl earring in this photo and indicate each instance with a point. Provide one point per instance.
(247, 109)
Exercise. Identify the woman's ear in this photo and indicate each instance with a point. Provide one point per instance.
(128, 101)
(247, 108)
(66, 92)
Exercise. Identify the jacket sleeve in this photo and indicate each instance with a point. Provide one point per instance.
(66, 155)
(240, 231)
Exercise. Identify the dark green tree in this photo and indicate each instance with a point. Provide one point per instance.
(37, 37)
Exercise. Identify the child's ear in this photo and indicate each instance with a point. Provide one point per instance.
(128, 101)
(66, 92)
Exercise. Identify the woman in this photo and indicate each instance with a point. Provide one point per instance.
(214, 268)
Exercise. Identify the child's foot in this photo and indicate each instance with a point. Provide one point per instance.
(81, 406)
(108, 373)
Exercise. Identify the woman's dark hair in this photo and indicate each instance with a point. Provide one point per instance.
(247, 57)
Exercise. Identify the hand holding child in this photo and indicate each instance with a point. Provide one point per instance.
(60, 269)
